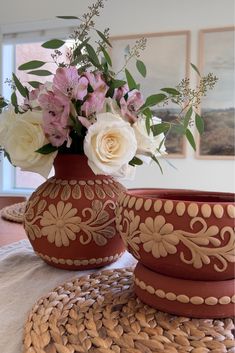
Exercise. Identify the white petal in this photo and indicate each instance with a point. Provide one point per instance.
(148, 246)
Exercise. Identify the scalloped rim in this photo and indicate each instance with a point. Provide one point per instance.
(137, 202)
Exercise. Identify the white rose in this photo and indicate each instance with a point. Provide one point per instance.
(148, 145)
(127, 171)
(23, 137)
(110, 144)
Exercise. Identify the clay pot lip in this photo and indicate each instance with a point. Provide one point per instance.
(184, 195)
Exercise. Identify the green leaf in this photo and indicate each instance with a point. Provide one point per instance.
(92, 55)
(106, 55)
(187, 117)
(199, 124)
(46, 149)
(14, 99)
(77, 126)
(78, 59)
(110, 92)
(53, 44)
(83, 68)
(161, 143)
(178, 129)
(14, 102)
(153, 100)
(19, 86)
(34, 84)
(190, 139)
(77, 50)
(40, 73)
(136, 161)
(3, 104)
(160, 128)
(34, 64)
(148, 114)
(171, 91)
(68, 17)
(118, 83)
(195, 69)
(158, 163)
(90, 88)
(102, 36)
(130, 80)
(141, 68)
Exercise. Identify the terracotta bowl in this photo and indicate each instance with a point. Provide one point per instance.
(180, 233)
(181, 237)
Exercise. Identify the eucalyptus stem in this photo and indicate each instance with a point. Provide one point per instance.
(139, 45)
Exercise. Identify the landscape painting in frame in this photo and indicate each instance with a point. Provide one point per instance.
(216, 55)
(166, 57)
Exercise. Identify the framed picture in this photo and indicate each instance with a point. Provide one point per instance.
(166, 57)
(216, 55)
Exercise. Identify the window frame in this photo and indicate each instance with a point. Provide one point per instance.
(13, 34)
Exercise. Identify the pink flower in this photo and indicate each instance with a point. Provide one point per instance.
(55, 107)
(90, 77)
(55, 134)
(34, 94)
(67, 82)
(93, 104)
(130, 106)
(32, 102)
(120, 92)
(100, 86)
(95, 101)
(84, 121)
(55, 117)
(96, 82)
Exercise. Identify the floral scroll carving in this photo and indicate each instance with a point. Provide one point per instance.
(61, 224)
(161, 239)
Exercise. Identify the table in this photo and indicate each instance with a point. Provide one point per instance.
(10, 232)
(24, 278)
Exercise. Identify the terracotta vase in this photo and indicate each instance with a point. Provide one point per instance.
(184, 242)
(70, 219)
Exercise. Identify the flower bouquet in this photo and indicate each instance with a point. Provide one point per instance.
(88, 111)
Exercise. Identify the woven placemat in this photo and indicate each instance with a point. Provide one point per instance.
(99, 313)
(14, 213)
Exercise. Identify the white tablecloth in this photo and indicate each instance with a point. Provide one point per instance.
(24, 278)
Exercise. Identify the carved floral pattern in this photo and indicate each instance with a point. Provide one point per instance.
(160, 238)
(60, 223)
(157, 237)
(129, 229)
(97, 226)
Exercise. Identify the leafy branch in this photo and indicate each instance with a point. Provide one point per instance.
(186, 98)
(133, 52)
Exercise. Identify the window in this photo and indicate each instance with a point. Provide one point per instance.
(16, 50)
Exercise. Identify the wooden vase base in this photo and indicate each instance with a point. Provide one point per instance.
(190, 298)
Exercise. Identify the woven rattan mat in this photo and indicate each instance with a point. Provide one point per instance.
(99, 313)
(14, 213)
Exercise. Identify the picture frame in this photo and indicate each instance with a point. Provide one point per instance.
(162, 71)
(216, 55)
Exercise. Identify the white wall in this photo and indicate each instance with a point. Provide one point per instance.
(143, 16)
